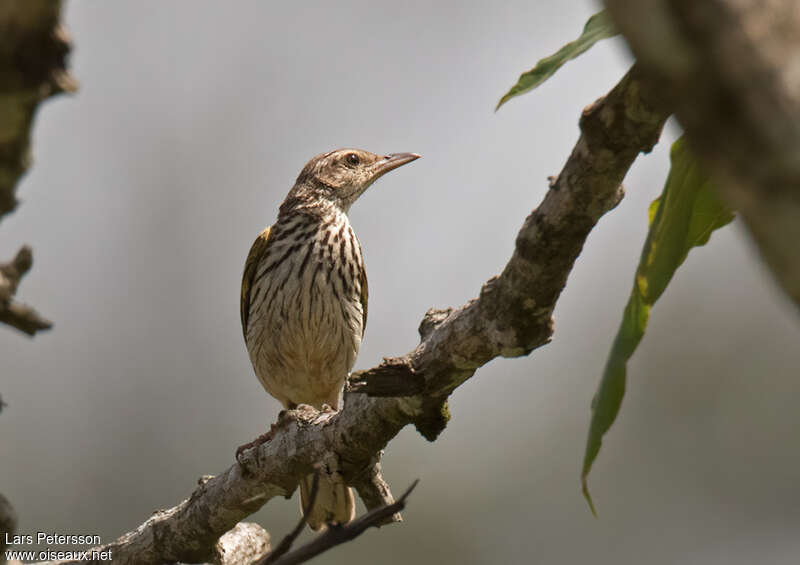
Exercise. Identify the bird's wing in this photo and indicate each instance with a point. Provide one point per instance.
(364, 299)
(257, 251)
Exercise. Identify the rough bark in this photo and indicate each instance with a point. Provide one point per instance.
(732, 70)
(246, 543)
(511, 317)
(373, 489)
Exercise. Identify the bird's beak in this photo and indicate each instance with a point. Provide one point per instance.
(392, 161)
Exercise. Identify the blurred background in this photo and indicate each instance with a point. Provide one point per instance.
(192, 122)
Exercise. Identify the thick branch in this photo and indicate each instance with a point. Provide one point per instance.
(33, 53)
(732, 68)
(373, 489)
(510, 318)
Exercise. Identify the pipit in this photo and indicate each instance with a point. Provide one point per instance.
(304, 298)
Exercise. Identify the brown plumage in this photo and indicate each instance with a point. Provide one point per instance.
(304, 297)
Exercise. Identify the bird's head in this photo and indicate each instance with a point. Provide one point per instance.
(339, 177)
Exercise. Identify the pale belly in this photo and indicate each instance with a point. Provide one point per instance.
(304, 340)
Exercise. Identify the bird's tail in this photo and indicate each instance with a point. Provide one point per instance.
(334, 501)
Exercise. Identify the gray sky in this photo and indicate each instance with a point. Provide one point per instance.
(192, 121)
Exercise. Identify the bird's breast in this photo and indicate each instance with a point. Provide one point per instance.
(306, 314)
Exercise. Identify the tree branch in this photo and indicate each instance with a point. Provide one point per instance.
(245, 544)
(33, 53)
(373, 489)
(732, 68)
(339, 534)
(510, 318)
(17, 315)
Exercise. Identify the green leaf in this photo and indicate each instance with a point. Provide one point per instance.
(683, 217)
(598, 27)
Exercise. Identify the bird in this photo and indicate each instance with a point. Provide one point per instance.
(304, 299)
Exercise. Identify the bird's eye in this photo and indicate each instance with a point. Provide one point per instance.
(352, 159)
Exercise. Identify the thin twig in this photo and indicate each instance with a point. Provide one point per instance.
(338, 534)
(14, 313)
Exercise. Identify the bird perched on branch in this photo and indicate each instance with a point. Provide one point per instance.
(304, 298)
